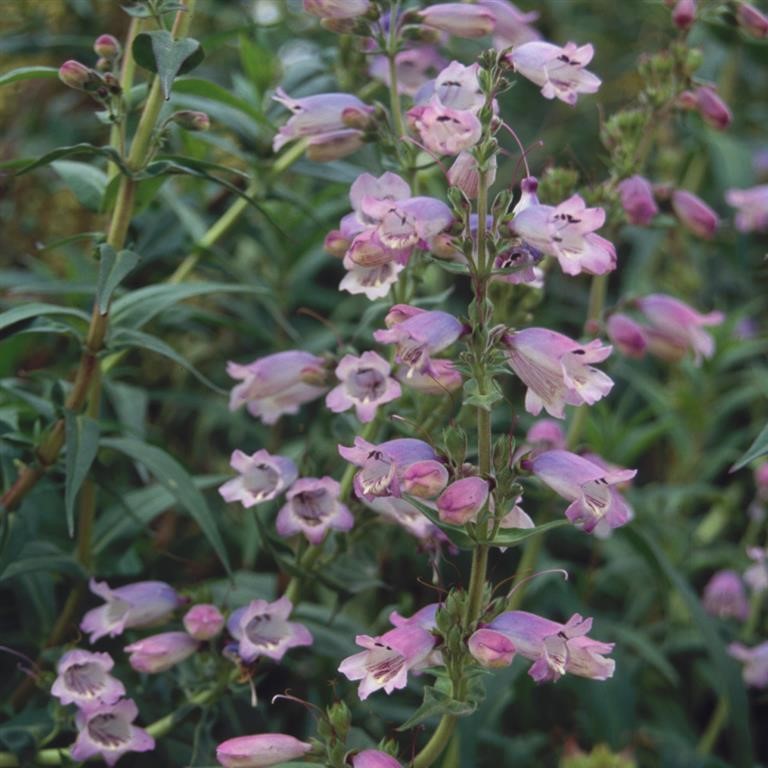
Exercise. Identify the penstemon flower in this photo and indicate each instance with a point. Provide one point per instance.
(462, 500)
(374, 758)
(440, 378)
(159, 653)
(365, 385)
(203, 621)
(261, 750)
(491, 649)
(756, 576)
(707, 102)
(459, 19)
(262, 478)
(414, 67)
(512, 27)
(751, 208)
(404, 514)
(628, 336)
(337, 9)
(694, 213)
(313, 507)
(755, 661)
(83, 679)
(725, 596)
(637, 200)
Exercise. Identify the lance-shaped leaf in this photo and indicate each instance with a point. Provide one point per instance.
(758, 448)
(159, 53)
(114, 266)
(28, 73)
(82, 442)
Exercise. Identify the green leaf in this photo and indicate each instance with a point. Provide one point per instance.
(87, 182)
(42, 556)
(436, 704)
(758, 448)
(508, 537)
(456, 533)
(27, 312)
(129, 337)
(82, 442)
(159, 53)
(481, 400)
(205, 89)
(177, 481)
(25, 165)
(28, 73)
(113, 268)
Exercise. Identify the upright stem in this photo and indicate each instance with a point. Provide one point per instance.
(436, 744)
(394, 95)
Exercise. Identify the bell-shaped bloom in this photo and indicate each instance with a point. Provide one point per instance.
(555, 649)
(751, 208)
(752, 20)
(725, 596)
(107, 730)
(203, 621)
(83, 679)
(365, 385)
(755, 661)
(388, 186)
(262, 477)
(756, 576)
(387, 659)
(559, 71)
(459, 19)
(373, 282)
(135, 605)
(587, 485)
(374, 758)
(277, 384)
(465, 175)
(260, 751)
(425, 617)
(383, 466)
(311, 508)
(457, 87)
(546, 434)
(636, 196)
(161, 652)
(444, 130)
(419, 335)
(512, 27)
(627, 335)
(315, 116)
(416, 523)
(684, 13)
(673, 328)
(707, 102)
(262, 629)
(518, 265)
(414, 67)
(462, 500)
(694, 214)
(337, 9)
(557, 370)
(424, 479)
(491, 649)
(440, 378)
(566, 231)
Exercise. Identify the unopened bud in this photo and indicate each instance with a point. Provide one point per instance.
(752, 21)
(694, 213)
(336, 244)
(107, 47)
(112, 83)
(190, 120)
(104, 65)
(76, 75)
(684, 13)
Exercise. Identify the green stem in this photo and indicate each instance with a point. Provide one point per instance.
(394, 96)
(437, 743)
(716, 723)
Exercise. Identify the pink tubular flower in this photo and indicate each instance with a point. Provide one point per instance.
(374, 758)
(76, 75)
(512, 25)
(441, 378)
(316, 116)
(312, 507)
(84, 680)
(491, 649)
(752, 20)
(262, 478)
(587, 485)
(374, 282)
(752, 208)
(684, 13)
(636, 195)
(383, 466)
(387, 659)
(567, 232)
(277, 384)
(365, 385)
(546, 434)
(419, 335)
(627, 335)
(555, 648)
(709, 105)
(462, 500)
(135, 605)
(404, 514)
(694, 214)
(262, 629)
(559, 71)
(161, 652)
(337, 9)
(459, 19)
(425, 479)
(674, 328)
(203, 621)
(327, 147)
(260, 751)
(465, 175)
(724, 596)
(444, 130)
(755, 660)
(108, 730)
(414, 67)
(557, 370)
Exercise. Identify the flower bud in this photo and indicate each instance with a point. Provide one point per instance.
(190, 120)
(460, 502)
(684, 13)
(627, 335)
(336, 244)
(112, 83)
(491, 649)
(709, 105)
(334, 145)
(107, 47)
(103, 65)
(374, 758)
(203, 621)
(636, 195)
(464, 174)
(459, 19)
(160, 652)
(260, 751)
(76, 75)
(752, 21)
(425, 479)
(694, 213)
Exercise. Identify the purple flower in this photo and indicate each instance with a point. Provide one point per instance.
(674, 328)
(440, 378)
(752, 208)
(262, 478)
(158, 653)
(203, 621)
(724, 596)
(559, 71)
(636, 195)
(84, 680)
(458, 87)
(135, 605)
(566, 231)
(337, 9)
(108, 730)
(491, 649)
(756, 575)
(373, 282)
(444, 130)
(320, 115)
(419, 335)
(262, 629)
(404, 514)
(462, 500)
(425, 617)
(387, 659)
(587, 485)
(694, 214)
(512, 25)
(707, 102)
(459, 19)
(260, 751)
(465, 175)
(374, 758)
(383, 466)
(424, 479)
(555, 648)
(752, 20)
(627, 335)
(755, 660)
(684, 13)
(327, 147)
(365, 385)
(312, 507)
(414, 67)
(277, 384)
(546, 434)
(557, 370)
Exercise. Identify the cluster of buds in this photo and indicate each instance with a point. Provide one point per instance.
(99, 83)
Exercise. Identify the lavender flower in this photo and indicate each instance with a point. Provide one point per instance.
(262, 478)
(83, 679)
(440, 378)
(491, 649)
(203, 621)
(694, 214)
(751, 208)
(462, 500)
(459, 19)
(312, 507)
(159, 653)
(260, 751)
(755, 661)
(365, 385)
(636, 195)
(627, 335)
(724, 596)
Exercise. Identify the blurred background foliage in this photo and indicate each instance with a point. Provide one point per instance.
(681, 426)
